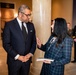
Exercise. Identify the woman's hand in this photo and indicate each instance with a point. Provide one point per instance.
(38, 42)
(47, 62)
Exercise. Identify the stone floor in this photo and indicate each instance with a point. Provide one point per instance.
(70, 69)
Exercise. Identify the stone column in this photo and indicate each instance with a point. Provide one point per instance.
(41, 12)
(0, 23)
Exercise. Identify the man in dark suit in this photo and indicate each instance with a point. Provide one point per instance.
(74, 34)
(19, 48)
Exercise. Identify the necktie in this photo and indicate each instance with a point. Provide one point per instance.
(24, 31)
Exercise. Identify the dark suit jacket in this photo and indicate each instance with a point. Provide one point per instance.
(74, 31)
(13, 41)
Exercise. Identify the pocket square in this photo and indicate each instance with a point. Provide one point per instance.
(31, 31)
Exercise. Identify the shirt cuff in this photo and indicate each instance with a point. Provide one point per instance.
(16, 57)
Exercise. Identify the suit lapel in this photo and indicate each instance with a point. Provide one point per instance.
(17, 27)
(28, 28)
(52, 41)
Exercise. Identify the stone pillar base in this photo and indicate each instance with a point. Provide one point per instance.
(34, 70)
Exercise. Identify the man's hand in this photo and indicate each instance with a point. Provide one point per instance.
(29, 55)
(25, 58)
(21, 58)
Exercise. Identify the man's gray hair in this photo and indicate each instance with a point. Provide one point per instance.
(22, 8)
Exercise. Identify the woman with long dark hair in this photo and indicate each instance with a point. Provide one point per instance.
(57, 48)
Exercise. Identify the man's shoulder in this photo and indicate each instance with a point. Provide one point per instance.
(11, 21)
(75, 26)
(30, 24)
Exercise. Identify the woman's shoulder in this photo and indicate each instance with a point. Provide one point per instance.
(68, 38)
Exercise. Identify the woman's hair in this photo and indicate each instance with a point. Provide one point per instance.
(60, 29)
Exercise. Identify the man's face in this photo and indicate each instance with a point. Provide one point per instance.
(68, 25)
(26, 15)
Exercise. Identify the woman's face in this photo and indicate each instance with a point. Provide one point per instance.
(53, 25)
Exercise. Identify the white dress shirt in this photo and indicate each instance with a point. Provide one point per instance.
(20, 24)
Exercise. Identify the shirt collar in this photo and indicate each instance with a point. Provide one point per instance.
(20, 24)
(19, 21)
